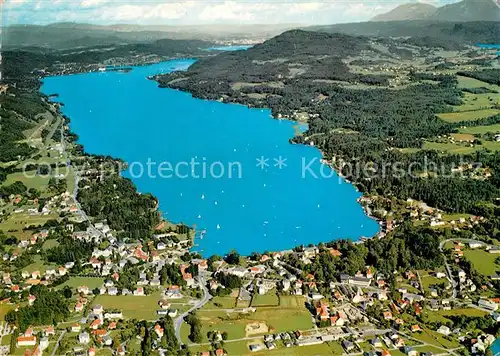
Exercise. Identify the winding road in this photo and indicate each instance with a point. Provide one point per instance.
(180, 319)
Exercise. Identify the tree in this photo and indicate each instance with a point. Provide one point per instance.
(67, 292)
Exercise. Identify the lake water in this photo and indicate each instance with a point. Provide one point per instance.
(288, 200)
(229, 48)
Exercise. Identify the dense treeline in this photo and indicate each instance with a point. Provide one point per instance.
(171, 275)
(116, 200)
(49, 308)
(407, 247)
(69, 250)
(195, 335)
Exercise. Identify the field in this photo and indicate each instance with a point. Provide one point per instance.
(463, 137)
(131, 306)
(4, 309)
(477, 130)
(38, 265)
(270, 299)
(239, 348)
(274, 318)
(292, 301)
(440, 316)
(48, 244)
(461, 148)
(429, 280)
(29, 179)
(16, 222)
(468, 115)
(466, 82)
(75, 282)
(220, 303)
(482, 261)
(434, 338)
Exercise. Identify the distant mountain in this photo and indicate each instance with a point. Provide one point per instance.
(446, 31)
(67, 35)
(466, 10)
(414, 11)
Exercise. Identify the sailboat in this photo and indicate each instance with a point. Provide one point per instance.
(203, 196)
(218, 227)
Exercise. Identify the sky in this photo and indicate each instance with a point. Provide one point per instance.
(187, 12)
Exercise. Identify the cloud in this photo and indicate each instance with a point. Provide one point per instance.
(92, 3)
(235, 11)
(182, 12)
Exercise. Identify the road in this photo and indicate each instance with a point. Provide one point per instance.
(180, 319)
(57, 342)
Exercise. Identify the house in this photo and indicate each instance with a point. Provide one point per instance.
(387, 315)
(443, 329)
(120, 350)
(348, 346)
(172, 313)
(84, 338)
(415, 328)
(322, 312)
(376, 342)
(139, 291)
(44, 343)
(99, 332)
(483, 303)
(62, 271)
(410, 351)
(219, 352)
(158, 330)
(440, 275)
(337, 320)
(475, 244)
(78, 307)
(112, 325)
(97, 309)
(113, 291)
(95, 324)
(255, 347)
(31, 299)
(49, 330)
(113, 315)
(84, 290)
(26, 341)
(76, 328)
(385, 353)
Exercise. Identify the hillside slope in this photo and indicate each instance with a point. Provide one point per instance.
(418, 11)
(465, 10)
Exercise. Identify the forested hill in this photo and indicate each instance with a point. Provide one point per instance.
(367, 101)
(22, 66)
(296, 53)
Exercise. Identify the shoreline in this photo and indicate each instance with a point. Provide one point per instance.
(297, 132)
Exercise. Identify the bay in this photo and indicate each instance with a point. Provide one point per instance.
(290, 199)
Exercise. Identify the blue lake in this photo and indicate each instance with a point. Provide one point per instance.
(288, 200)
(229, 48)
(495, 347)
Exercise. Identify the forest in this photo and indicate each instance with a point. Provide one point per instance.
(117, 201)
(49, 308)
